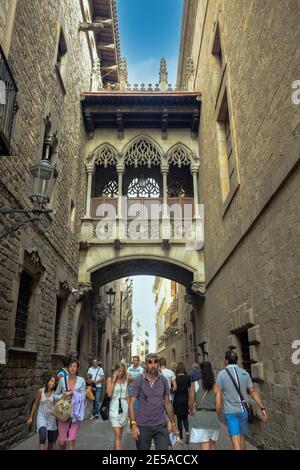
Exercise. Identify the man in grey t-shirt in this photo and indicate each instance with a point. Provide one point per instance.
(235, 411)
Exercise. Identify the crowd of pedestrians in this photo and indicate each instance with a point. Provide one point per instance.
(160, 405)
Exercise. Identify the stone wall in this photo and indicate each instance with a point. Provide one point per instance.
(33, 53)
(7, 14)
(251, 250)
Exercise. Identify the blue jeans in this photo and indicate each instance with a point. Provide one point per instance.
(96, 402)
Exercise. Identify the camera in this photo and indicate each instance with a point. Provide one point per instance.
(120, 406)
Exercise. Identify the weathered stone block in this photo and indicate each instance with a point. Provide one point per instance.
(254, 334)
(257, 372)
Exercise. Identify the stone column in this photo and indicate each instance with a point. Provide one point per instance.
(165, 171)
(90, 172)
(194, 171)
(120, 171)
(120, 228)
(165, 217)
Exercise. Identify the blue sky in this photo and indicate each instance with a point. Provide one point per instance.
(144, 309)
(149, 30)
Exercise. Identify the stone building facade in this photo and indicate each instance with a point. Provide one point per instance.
(177, 335)
(51, 62)
(249, 149)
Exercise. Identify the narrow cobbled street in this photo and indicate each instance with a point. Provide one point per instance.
(98, 435)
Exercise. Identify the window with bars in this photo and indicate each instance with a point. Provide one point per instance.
(245, 350)
(25, 291)
(59, 307)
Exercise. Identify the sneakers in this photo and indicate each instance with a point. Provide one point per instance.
(97, 416)
(91, 418)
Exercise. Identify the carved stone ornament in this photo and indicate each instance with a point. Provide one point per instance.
(95, 27)
(198, 288)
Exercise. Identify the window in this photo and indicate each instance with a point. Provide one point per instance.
(72, 215)
(245, 350)
(61, 63)
(25, 291)
(174, 289)
(203, 353)
(217, 47)
(59, 308)
(143, 187)
(228, 167)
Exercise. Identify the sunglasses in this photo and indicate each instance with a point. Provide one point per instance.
(152, 361)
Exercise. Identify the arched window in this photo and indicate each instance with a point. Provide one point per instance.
(110, 189)
(143, 187)
(142, 152)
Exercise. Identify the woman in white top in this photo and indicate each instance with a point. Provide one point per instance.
(118, 409)
(46, 421)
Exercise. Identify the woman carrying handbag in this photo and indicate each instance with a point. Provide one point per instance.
(206, 397)
(118, 407)
(72, 387)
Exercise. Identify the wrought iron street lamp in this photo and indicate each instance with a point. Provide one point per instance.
(110, 295)
(42, 181)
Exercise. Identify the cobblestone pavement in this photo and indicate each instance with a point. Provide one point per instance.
(98, 435)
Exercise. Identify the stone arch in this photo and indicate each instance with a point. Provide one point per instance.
(141, 265)
(104, 155)
(179, 155)
(142, 150)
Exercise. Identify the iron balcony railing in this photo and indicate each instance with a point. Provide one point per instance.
(8, 103)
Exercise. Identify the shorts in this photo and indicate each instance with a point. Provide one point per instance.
(237, 423)
(199, 435)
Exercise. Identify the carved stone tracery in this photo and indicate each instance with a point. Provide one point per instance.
(142, 152)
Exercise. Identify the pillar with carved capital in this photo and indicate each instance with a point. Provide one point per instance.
(165, 216)
(90, 172)
(194, 171)
(120, 171)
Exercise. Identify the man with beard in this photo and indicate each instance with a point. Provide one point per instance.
(150, 420)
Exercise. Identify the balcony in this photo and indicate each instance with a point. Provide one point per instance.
(125, 328)
(141, 221)
(8, 94)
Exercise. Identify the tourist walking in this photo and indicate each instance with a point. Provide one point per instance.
(181, 399)
(97, 374)
(205, 401)
(196, 373)
(133, 371)
(149, 421)
(235, 384)
(46, 421)
(72, 386)
(169, 375)
(63, 372)
(116, 389)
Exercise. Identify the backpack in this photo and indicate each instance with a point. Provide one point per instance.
(104, 408)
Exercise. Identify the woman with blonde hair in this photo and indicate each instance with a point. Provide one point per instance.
(116, 388)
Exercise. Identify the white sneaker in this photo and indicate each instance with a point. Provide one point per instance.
(91, 418)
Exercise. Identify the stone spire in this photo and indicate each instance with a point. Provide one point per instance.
(189, 74)
(123, 74)
(96, 80)
(163, 75)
